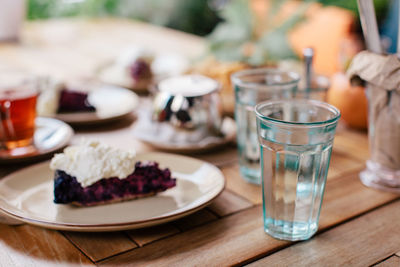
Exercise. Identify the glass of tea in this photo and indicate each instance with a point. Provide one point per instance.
(18, 94)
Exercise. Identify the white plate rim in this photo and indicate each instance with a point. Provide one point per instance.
(116, 226)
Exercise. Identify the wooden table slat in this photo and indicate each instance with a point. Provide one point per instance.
(200, 217)
(220, 157)
(100, 246)
(346, 197)
(147, 235)
(28, 245)
(352, 143)
(356, 243)
(236, 184)
(392, 261)
(204, 245)
(228, 203)
(342, 164)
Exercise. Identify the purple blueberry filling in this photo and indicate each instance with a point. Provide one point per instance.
(140, 70)
(73, 101)
(147, 178)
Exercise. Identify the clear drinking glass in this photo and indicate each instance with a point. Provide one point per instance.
(295, 139)
(251, 87)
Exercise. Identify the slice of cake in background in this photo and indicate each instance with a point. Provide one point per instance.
(57, 97)
(74, 101)
(93, 173)
(132, 68)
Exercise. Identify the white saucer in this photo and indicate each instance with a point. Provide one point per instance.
(165, 137)
(31, 201)
(51, 135)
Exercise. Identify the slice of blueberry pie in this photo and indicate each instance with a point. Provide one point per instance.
(56, 97)
(74, 101)
(93, 173)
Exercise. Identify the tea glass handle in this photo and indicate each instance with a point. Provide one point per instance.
(6, 122)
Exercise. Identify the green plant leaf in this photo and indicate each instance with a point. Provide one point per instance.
(276, 45)
(231, 52)
(226, 32)
(238, 12)
(228, 38)
(259, 56)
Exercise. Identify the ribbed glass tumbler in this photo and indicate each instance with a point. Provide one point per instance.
(251, 87)
(295, 138)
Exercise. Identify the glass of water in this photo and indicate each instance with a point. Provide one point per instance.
(295, 137)
(251, 87)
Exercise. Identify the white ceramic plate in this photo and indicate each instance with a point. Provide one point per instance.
(50, 135)
(111, 103)
(27, 195)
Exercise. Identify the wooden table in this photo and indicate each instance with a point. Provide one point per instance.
(359, 226)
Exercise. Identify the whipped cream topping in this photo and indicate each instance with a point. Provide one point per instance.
(92, 161)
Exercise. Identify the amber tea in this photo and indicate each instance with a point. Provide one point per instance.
(17, 115)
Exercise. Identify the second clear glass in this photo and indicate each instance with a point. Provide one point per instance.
(251, 87)
(255, 85)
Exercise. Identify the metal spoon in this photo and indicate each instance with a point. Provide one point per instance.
(308, 54)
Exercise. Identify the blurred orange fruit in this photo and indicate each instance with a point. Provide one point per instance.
(350, 100)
